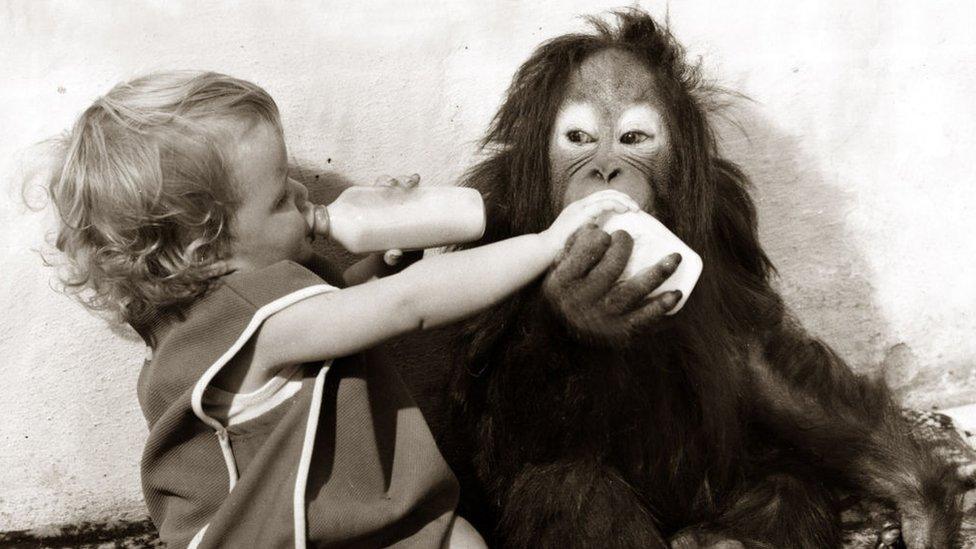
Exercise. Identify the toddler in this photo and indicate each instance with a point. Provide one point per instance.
(268, 423)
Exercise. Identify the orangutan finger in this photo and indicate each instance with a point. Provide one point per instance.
(655, 309)
(615, 257)
(630, 293)
(571, 241)
(607, 271)
(586, 249)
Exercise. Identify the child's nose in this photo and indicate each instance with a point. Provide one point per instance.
(301, 191)
(304, 206)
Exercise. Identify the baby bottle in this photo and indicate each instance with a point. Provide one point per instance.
(652, 242)
(379, 218)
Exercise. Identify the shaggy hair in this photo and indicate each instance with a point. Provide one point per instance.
(727, 417)
(144, 194)
(707, 205)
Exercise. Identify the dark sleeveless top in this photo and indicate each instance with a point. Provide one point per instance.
(348, 460)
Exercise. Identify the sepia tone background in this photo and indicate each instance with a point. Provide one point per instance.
(858, 132)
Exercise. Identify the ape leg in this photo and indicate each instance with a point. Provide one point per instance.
(781, 510)
(575, 504)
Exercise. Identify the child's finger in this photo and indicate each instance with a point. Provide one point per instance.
(609, 203)
(625, 200)
(409, 181)
(385, 181)
(594, 209)
(610, 193)
(392, 257)
(406, 181)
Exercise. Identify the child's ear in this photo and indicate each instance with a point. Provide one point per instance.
(218, 269)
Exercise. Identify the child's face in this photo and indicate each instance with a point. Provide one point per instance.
(271, 222)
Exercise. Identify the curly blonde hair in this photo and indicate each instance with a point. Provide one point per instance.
(144, 195)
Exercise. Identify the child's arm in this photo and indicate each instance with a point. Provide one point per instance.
(379, 265)
(432, 292)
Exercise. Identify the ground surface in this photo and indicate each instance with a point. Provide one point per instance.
(863, 520)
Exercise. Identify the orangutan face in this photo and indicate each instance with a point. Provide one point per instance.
(610, 132)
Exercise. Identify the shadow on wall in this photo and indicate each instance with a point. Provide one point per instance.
(823, 276)
(421, 358)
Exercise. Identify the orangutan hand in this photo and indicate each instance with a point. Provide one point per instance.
(583, 288)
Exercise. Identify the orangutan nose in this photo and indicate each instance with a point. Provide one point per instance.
(605, 174)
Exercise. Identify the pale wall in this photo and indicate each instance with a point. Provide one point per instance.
(859, 138)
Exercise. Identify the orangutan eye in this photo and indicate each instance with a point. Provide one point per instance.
(633, 138)
(579, 137)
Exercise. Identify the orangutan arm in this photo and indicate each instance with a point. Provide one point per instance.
(812, 399)
(584, 292)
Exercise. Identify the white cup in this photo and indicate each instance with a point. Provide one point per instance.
(652, 242)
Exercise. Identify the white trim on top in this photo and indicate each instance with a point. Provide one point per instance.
(305, 462)
(262, 314)
(198, 537)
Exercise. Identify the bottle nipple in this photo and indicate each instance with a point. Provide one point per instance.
(318, 220)
(375, 219)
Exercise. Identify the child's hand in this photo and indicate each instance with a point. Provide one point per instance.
(586, 210)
